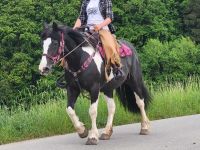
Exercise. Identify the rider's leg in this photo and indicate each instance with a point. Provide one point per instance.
(111, 48)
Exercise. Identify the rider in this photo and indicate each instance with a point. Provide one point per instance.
(98, 15)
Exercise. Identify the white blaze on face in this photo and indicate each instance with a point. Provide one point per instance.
(43, 62)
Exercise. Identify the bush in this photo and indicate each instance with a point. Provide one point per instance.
(175, 60)
(192, 20)
(20, 47)
(22, 21)
(140, 20)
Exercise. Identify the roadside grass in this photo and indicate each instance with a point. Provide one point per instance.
(169, 100)
(176, 99)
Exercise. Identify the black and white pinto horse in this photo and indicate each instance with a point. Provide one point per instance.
(84, 69)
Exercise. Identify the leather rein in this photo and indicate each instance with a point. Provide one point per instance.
(56, 59)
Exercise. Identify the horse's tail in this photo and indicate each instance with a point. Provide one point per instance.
(133, 84)
(128, 99)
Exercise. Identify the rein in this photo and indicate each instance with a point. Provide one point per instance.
(85, 64)
(56, 59)
(85, 40)
(83, 67)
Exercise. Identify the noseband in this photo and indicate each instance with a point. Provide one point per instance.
(60, 50)
(58, 57)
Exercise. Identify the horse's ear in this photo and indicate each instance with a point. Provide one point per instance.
(55, 26)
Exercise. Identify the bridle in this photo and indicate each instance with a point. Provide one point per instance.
(58, 58)
(60, 50)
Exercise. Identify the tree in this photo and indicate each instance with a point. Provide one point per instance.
(192, 20)
(175, 60)
(21, 22)
(139, 20)
(20, 49)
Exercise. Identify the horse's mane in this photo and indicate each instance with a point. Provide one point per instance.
(75, 35)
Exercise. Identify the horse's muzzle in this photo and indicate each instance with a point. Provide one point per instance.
(45, 70)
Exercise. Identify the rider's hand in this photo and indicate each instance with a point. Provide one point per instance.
(77, 24)
(97, 27)
(75, 28)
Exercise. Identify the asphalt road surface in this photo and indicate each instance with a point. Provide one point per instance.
(182, 133)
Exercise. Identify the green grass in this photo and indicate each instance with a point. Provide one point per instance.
(169, 100)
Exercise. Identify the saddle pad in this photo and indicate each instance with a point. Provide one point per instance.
(124, 51)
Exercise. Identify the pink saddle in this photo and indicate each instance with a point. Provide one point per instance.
(124, 51)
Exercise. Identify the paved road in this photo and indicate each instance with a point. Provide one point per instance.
(182, 133)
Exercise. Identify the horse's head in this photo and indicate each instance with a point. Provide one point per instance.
(53, 45)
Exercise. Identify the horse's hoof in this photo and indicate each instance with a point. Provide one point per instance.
(144, 132)
(91, 141)
(104, 136)
(84, 134)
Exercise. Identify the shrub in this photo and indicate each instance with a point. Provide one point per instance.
(175, 60)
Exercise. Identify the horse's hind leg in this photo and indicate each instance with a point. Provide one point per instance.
(72, 95)
(145, 123)
(107, 132)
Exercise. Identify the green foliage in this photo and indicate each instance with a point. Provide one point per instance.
(175, 60)
(155, 26)
(170, 100)
(192, 20)
(20, 50)
(136, 20)
(140, 20)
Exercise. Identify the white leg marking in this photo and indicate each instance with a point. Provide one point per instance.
(93, 114)
(97, 58)
(111, 111)
(79, 126)
(145, 120)
(43, 62)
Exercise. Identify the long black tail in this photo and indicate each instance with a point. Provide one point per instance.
(133, 83)
(127, 97)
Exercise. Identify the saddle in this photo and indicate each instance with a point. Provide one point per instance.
(94, 39)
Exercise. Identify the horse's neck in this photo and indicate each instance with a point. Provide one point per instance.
(74, 58)
(74, 61)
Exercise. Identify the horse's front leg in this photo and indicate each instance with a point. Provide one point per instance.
(107, 132)
(93, 133)
(72, 94)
